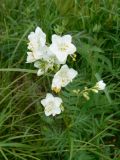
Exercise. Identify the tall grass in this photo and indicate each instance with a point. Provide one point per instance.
(86, 130)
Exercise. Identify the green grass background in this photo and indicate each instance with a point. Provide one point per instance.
(86, 130)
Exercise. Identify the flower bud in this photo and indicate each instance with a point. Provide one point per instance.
(85, 95)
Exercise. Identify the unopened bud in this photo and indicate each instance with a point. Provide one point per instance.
(85, 95)
(94, 90)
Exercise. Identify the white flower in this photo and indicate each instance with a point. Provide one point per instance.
(52, 105)
(61, 47)
(37, 39)
(36, 44)
(43, 66)
(64, 76)
(100, 85)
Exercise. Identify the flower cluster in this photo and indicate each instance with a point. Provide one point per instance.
(47, 57)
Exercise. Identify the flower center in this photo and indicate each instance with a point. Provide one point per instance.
(63, 47)
(48, 109)
(65, 77)
(65, 80)
(50, 104)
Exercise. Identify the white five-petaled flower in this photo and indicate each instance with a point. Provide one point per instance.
(64, 76)
(61, 47)
(36, 45)
(100, 85)
(52, 105)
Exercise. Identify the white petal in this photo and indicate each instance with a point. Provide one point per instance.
(57, 110)
(101, 85)
(47, 112)
(64, 67)
(72, 73)
(53, 49)
(41, 35)
(38, 54)
(56, 82)
(30, 57)
(56, 38)
(49, 96)
(67, 38)
(31, 36)
(58, 101)
(71, 49)
(61, 57)
(43, 102)
(46, 53)
(40, 72)
(38, 30)
(57, 54)
(37, 64)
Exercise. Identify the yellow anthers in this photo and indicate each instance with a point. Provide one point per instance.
(56, 90)
(63, 47)
(74, 57)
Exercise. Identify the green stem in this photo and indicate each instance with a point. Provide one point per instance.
(17, 70)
